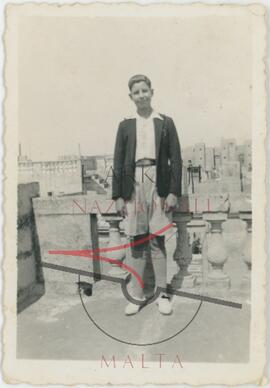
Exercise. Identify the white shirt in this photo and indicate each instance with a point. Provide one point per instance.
(145, 136)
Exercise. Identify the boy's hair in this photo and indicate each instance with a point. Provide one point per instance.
(138, 78)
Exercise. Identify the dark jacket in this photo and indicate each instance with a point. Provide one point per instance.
(168, 159)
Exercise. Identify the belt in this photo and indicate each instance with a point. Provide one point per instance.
(145, 162)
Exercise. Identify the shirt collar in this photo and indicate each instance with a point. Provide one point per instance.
(153, 115)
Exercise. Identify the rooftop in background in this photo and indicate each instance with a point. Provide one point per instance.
(210, 158)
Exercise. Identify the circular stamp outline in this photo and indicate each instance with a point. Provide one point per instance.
(135, 343)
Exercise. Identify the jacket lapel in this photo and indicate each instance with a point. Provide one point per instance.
(133, 138)
(158, 130)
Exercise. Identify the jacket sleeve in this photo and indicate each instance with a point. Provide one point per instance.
(118, 160)
(175, 161)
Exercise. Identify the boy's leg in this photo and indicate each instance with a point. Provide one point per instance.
(137, 228)
(138, 259)
(159, 260)
(158, 220)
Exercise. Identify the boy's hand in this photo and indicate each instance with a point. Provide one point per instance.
(121, 207)
(170, 202)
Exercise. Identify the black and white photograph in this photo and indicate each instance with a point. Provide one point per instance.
(135, 194)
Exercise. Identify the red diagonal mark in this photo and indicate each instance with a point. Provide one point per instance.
(124, 246)
(82, 253)
(91, 253)
(133, 243)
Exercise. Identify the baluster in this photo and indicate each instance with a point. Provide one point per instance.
(216, 252)
(183, 253)
(196, 229)
(246, 255)
(114, 241)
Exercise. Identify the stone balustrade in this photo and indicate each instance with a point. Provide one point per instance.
(216, 252)
(212, 249)
(224, 259)
(115, 240)
(208, 266)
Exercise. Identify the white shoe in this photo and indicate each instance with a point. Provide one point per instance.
(164, 304)
(132, 308)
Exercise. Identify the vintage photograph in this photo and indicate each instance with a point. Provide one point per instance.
(135, 194)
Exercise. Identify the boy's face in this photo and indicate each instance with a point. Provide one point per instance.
(141, 94)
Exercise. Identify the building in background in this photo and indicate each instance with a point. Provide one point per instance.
(228, 150)
(229, 164)
(212, 158)
(69, 174)
(198, 158)
(54, 177)
(209, 159)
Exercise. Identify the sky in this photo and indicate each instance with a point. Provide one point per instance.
(73, 74)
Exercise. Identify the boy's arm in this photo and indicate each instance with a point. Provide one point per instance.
(175, 160)
(118, 160)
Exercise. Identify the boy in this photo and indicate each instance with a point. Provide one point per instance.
(146, 184)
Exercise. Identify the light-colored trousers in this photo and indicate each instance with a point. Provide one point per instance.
(145, 214)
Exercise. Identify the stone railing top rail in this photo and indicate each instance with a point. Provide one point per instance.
(99, 204)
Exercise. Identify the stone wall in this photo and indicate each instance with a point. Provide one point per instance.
(61, 176)
(30, 285)
(63, 224)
